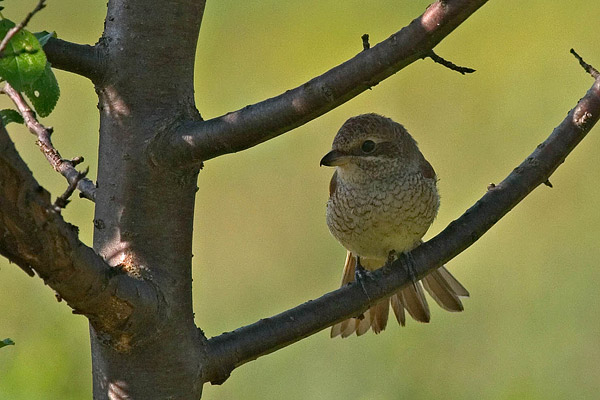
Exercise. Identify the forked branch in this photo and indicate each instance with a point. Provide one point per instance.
(199, 141)
(37, 238)
(65, 167)
(233, 349)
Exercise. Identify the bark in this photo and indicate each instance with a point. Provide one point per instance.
(144, 212)
(34, 236)
(81, 59)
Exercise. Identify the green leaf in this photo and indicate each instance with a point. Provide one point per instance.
(6, 342)
(44, 92)
(9, 116)
(44, 36)
(23, 60)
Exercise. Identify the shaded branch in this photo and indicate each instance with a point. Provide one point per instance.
(15, 29)
(233, 349)
(65, 167)
(202, 140)
(81, 59)
(35, 237)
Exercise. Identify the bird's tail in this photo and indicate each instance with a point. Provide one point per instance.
(444, 288)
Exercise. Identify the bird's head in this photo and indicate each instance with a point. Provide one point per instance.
(373, 146)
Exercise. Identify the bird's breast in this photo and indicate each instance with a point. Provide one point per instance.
(375, 218)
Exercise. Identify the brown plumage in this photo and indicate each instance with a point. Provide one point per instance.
(383, 198)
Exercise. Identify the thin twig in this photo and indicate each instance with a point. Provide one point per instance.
(15, 29)
(588, 68)
(62, 201)
(448, 64)
(64, 166)
(365, 41)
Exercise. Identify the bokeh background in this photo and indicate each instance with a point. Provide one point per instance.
(531, 329)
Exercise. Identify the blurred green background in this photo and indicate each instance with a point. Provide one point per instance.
(531, 329)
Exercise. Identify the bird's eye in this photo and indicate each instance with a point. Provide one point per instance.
(368, 146)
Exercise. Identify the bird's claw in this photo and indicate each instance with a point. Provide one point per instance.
(361, 275)
(408, 262)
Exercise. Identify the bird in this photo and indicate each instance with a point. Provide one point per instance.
(383, 198)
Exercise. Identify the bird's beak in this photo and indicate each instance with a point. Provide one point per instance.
(334, 158)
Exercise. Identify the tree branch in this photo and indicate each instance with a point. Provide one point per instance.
(199, 141)
(587, 67)
(65, 167)
(81, 59)
(35, 237)
(233, 349)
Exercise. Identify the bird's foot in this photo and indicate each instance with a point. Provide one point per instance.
(361, 275)
(392, 256)
(408, 262)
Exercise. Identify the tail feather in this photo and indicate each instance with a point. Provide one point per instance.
(350, 327)
(380, 312)
(398, 308)
(441, 291)
(363, 325)
(336, 330)
(456, 286)
(415, 303)
(344, 328)
(444, 288)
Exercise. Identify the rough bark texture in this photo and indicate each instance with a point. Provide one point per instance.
(34, 236)
(144, 212)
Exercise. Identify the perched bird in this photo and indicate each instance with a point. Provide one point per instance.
(382, 199)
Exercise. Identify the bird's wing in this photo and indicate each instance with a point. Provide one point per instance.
(333, 183)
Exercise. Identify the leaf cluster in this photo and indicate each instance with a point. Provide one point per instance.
(23, 64)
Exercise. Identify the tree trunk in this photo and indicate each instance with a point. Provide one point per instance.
(144, 209)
